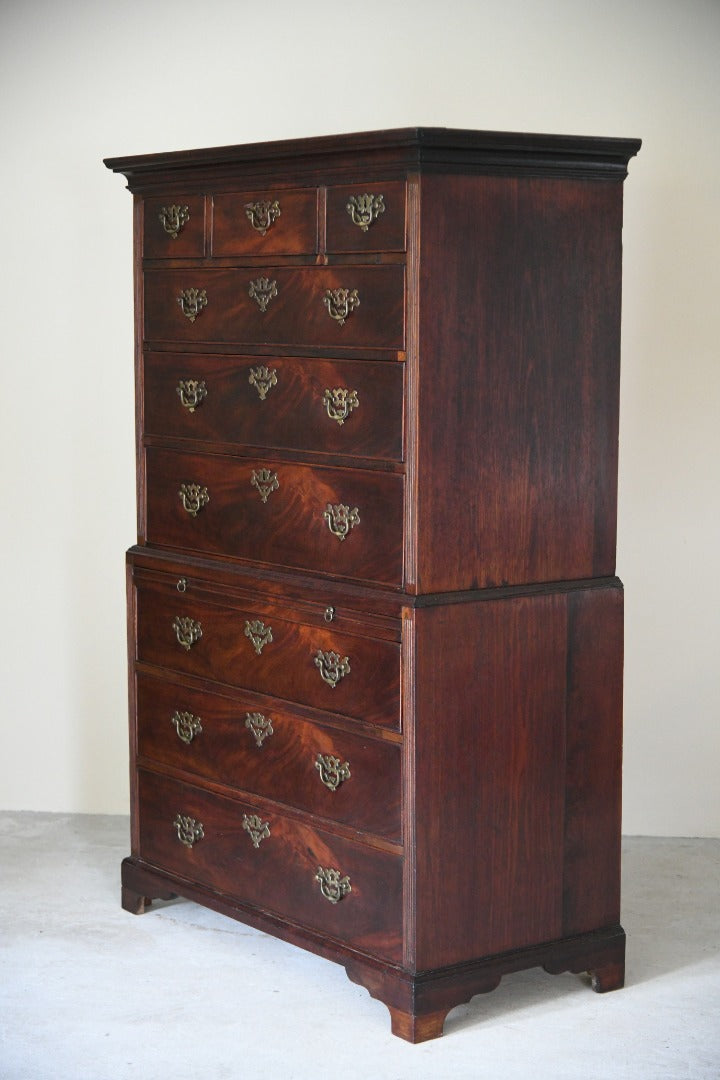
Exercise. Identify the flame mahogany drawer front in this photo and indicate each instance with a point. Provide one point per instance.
(366, 217)
(253, 648)
(336, 307)
(344, 522)
(269, 750)
(327, 406)
(174, 227)
(206, 838)
(265, 223)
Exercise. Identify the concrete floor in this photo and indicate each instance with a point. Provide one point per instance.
(88, 991)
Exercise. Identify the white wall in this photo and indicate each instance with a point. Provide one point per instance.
(81, 80)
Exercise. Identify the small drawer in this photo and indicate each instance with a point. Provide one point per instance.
(174, 227)
(327, 406)
(341, 888)
(366, 217)
(265, 223)
(343, 522)
(338, 307)
(271, 752)
(249, 646)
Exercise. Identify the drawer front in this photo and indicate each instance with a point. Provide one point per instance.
(366, 217)
(208, 839)
(344, 522)
(328, 406)
(174, 227)
(267, 305)
(271, 752)
(265, 223)
(319, 666)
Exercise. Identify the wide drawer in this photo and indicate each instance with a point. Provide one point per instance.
(174, 227)
(265, 223)
(366, 217)
(271, 752)
(343, 306)
(249, 646)
(344, 522)
(343, 889)
(329, 406)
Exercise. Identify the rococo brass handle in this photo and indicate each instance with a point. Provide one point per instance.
(261, 215)
(265, 481)
(189, 831)
(259, 634)
(333, 887)
(263, 291)
(193, 497)
(341, 519)
(192, 392)
(192, 301)
(332, 772)
(341, 303)
(364, 209)
(263, 380)
(259, 726)
(332, 669)
(256, 829)
(339, 403)
(186, 725)
(173, 219)
(187, 631)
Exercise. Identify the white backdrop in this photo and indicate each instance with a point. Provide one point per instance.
(83, 79)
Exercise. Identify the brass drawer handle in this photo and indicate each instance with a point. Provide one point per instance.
(256, 829)
(332, 772)
(332, 669)
(192, 392)
(186, 725)
(259, 634)
(265, 481)
(191, 302)
(189, 831)
(364, 209)
(333, 887)
(341, 519)
(263, 291)
(173, 219)
(259, 726)
(263, 380)
(341, 303)
(187, 631)
(262, 215)
(339, 403)
(193, 497)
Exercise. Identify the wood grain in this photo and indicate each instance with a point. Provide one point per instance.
(283, 766)
(291, 416)
(279, 875)
(289, 528)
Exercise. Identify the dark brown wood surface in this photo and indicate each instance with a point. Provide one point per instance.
(190, 240)
(294, 231)
(285, 668)
(593, 812)
(488, 768)
(283, 766)
(517, 381)
(386, 233)
(279, 875)
(297, 316)
(292, 414)
(289, 528)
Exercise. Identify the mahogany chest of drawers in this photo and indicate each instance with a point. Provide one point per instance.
(375, 629)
